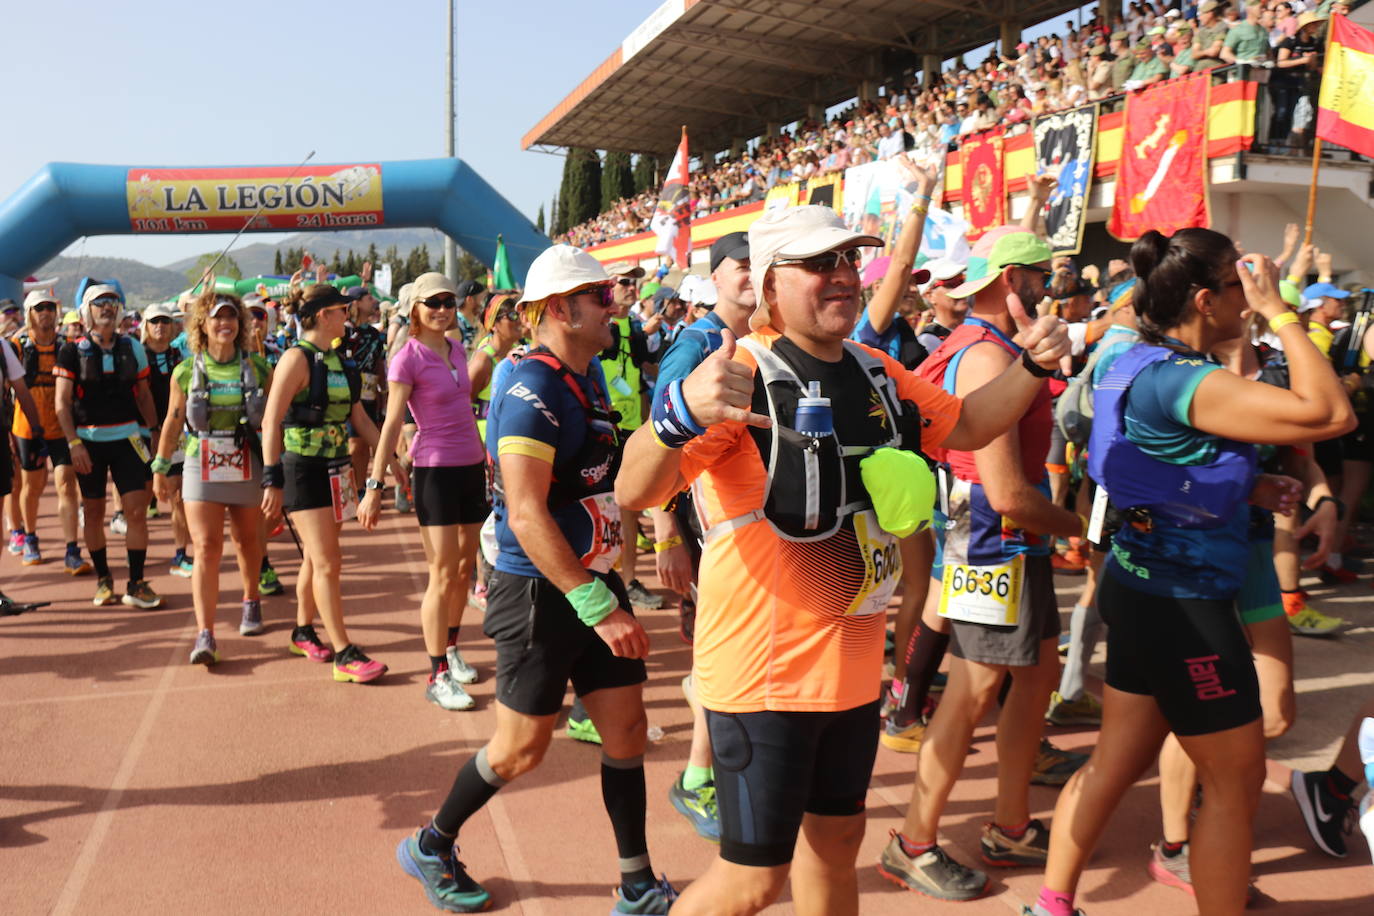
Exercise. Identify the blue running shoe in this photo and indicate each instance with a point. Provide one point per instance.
(32, 556)
(656, 900)
(698, 806)
(447, 884)
(73, 564)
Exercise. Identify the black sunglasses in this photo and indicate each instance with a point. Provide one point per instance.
(1045, 273)
(160, 319)
(602, 291)
(44, 307)
(823, 263)
(439, 303)
(626, 281)
(258, 313)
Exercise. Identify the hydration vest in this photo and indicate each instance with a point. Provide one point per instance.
(198, 407)
(1186, 496)
(813, 499)
(310, 412)
(29, 351)
(96, 384)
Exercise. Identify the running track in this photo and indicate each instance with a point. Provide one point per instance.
(135, 783)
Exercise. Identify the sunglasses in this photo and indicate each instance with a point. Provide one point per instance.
(259, 314)
(161, 319)
(625, 281)
(441, 302)
(823, 263)
(1045, 273)
(602, 291)
(45, 307)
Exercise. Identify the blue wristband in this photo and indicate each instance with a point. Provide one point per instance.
(673, 422)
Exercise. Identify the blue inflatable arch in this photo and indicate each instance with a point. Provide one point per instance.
(66, 201)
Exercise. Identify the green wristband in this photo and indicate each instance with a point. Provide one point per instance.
(160, 465)
(593, 602)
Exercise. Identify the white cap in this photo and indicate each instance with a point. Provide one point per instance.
(942, 269)
(795, 232)
(704, 292)
(431, 284)
(39, 296)
(561, 269)
(1313, 302)
(161, 310)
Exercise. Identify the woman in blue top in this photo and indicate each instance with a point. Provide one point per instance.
(1170, 444)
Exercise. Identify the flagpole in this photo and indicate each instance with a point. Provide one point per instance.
(1317, 141)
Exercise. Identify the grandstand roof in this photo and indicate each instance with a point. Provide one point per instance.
(725, 68)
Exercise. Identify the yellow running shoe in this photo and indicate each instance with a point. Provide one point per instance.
(1311, 622)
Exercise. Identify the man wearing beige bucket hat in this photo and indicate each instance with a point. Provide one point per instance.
(556, 609)
(801, 550)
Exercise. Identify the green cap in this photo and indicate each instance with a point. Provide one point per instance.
(999, 248)
(1290, 293)
(902, 489)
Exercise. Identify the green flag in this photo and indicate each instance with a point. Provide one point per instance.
(500, 268)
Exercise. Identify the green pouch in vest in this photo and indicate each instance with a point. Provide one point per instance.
(902, 489)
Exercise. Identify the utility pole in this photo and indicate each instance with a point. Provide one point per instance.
(450, 249)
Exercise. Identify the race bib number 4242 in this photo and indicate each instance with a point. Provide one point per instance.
(988, 595)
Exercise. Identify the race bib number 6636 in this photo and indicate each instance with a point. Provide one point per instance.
(988, 595)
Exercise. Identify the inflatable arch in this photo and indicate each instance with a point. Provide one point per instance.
(66, 201)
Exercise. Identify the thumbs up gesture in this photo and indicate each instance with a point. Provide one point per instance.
(1044, 339)
(721, 389)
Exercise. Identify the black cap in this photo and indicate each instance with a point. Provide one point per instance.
(313, 302)
(735, 246)
(470, 288)
(354, 293)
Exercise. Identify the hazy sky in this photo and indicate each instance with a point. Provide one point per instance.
(154, 82)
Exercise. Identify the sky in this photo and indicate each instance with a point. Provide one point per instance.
(256, 82)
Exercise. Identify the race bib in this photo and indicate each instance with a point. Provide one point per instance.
(604, 514)
(989, 595)
(221, 461)
(882, 557)
(369, 392)
(139, 448)
(1098, 517)
(342, 492)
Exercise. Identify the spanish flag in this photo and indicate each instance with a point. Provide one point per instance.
(1345, 108)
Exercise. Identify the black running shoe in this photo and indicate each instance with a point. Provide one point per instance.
(1326, 816)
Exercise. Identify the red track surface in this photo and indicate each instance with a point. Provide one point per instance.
(136, 783)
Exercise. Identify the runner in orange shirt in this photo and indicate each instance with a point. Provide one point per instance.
(794, 579)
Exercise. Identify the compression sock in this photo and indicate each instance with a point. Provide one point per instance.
(1340, 784)
(696, 777)
(179, 556)
(1054, 903)
(623, 793)
(1015, 831)
(1171, 850)
(101, 563)
(472, 788)
(913, 849)
(452, 636)
(437, 663)
(434, 842)
(923, 662)
(72, 547)
(265, 565)
(136, 560)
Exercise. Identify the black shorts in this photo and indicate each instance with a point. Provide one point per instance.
(307, 481)
(1190, 654)
(1358, 445)
(6, 468)
(541, 645)
(451, 495)
(33, 453)
(1328, 456)
(125, 461)
(772, 768)
(1018, 646)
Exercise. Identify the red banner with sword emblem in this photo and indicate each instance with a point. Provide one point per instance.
(985, 190)
(1161, 181)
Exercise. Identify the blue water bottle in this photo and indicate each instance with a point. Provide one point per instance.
(813, 413)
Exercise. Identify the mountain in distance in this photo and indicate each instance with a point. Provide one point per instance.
(257, 259)
(142, 284)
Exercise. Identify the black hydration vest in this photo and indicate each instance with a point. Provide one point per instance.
(310, 412)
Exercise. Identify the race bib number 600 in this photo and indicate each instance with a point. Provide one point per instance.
(989, 595)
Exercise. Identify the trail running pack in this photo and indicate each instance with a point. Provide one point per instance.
(198, 407)
(310, 412)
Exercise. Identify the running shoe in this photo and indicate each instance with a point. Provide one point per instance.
(32, 556)
(892, 699)
(903, 739)
(73, 563)
(446, 693)
(251, 623)
(1337, 575)
(1053, 766)
(1086, 710)
(583, 730)
(304, 641)
(17, 541)
(932, 873)
(153, 511)
(104, 592)
(142, 596)
(1038, 910)
(698, 806)
(268, 583)
(353, 666)
(1326, 816)
(403, 503)
(478, 598)
(1311, 622)
(1002, 851)
(182, 566)
(118, 523)
(446, 882)
(206, 651)
(642, 597)
(459, 670)
(643, 542)
(1065, 639)
(656, 900)
(1171, 870)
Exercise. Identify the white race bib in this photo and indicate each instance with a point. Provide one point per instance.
(604, 514)
(882, 556)
(343, 493)
(221, 461)
(369, 392)
(988, 595)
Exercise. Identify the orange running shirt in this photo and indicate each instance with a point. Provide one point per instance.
(773, 627)
(43, 389)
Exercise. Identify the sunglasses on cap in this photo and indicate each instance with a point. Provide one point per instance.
(823, 263)
(441, 302)
(602, 291)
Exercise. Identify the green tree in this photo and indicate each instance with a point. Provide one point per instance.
(539, 220)
(276, 262)
(227, 267)
(560, 209)
(645, 173)
(469, 268)
(584, 186)
(617, 179)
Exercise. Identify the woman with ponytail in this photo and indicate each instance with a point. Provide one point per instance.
(1173, 442)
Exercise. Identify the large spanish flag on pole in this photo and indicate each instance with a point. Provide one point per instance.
(1345, 108)
(672, 220)
(1161, 180)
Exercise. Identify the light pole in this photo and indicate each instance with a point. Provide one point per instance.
(450, 249)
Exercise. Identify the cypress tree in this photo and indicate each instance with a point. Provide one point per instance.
(539, 220)
(645, 173)
(583, 200)
(617, 179)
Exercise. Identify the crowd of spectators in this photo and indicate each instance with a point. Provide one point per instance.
(1106, 55)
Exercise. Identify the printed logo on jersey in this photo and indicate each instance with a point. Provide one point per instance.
(519, 390)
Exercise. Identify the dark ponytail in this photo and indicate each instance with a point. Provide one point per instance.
(1170, 270)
